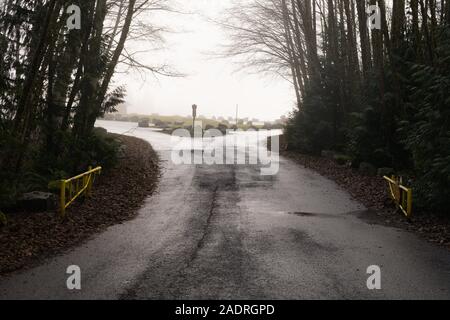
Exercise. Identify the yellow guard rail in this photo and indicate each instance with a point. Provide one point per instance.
(76, 186)
(400, 194)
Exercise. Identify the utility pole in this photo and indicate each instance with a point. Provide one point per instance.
(194, 115)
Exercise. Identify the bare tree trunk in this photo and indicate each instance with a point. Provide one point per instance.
(116, 25)
(86, 29)
(24, 108)
(304, 8)
(415, 27)
(364, 38)
(398, 23)
(293, 52)
(299, 43)
(377, 47)
(352, 45)
(117, 52)
(92, 76)
(426, 31)
(385, 28)
(447, 12)
(336, 62)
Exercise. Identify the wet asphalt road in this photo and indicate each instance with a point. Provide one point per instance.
(226, 232)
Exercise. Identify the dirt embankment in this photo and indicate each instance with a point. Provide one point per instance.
(116, 197)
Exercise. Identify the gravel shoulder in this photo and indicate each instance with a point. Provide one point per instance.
(373, 193)
(116, 197)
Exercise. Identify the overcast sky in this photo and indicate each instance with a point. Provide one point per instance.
(215, 85)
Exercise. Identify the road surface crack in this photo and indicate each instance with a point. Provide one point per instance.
(205, 232)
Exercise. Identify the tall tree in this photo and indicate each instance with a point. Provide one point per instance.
(366, 55)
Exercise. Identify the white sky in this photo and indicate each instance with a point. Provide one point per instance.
(211, 83)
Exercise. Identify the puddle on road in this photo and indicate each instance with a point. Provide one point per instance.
(373, 217)
(303, 214)
(313, 214)
(368, 216)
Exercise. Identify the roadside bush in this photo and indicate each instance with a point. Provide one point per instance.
(100, 148)
(8, 191)
(427, 132)
(306, 135)
(342, 159)
(3, 219)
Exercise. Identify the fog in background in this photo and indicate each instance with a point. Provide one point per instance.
(215, 84)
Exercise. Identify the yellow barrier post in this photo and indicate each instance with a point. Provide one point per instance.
(3, 219)
(400, 194)
(89, 182)
(78, 185)
(63, 198)
(409, 202)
